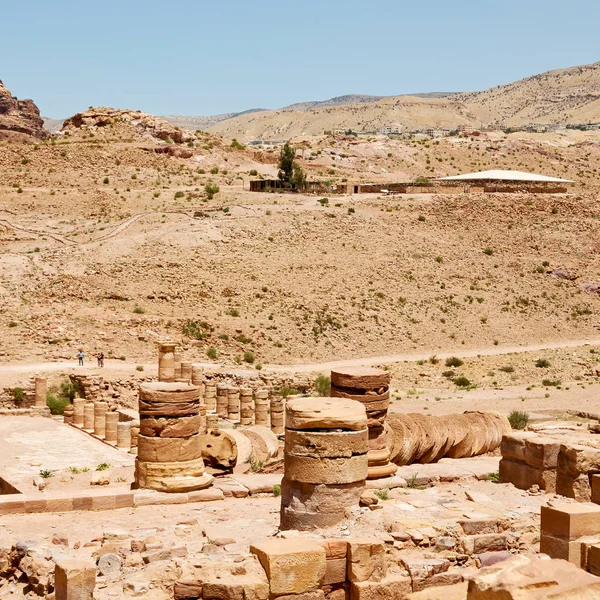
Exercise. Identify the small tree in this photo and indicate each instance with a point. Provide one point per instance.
(290, 172)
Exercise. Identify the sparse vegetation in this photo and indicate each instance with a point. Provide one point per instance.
(454, 361)
(323, 385)
(518, 419)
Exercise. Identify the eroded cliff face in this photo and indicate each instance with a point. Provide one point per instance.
(20, 120)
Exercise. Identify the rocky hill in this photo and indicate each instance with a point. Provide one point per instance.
(559, 96)
(19, 119)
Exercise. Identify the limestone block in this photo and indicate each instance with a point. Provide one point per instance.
(326, 444)
(172, 476)
(326, 470)
(574, 463)
(325, 413)
(74, 580)
(570, 521)
(320, 498)
(292, 566)
(366, 560)
(157, 449)
(376, 418)
(165, 392)
(170, 427)
(360, 378)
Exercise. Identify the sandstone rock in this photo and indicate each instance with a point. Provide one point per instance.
(360, 377)
(326, 444)
(170, 427)
(292, 566)
(335, 471)
(366, 560)
(74, 580)
(20, 120)
(325, 413)
(169, 449)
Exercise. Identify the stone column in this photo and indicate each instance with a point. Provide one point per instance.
(325, 461)
(210, 395)
(246, 407)
(135, 432)
(261, 407)
(78, 404)
(100, 409)
(233, 404)
(222, 400)
(186, 372)
(166, 361)
(371, 387)
(112, 420)
(68, 414)
(88, 416)
(177, 359)
(169, 450)
(124, 435)
(41, 385)
(277, 406)
(212, 421)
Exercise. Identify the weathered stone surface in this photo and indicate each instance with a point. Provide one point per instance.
(542, 452)
(360, 377)
(165, 392)
(326, 470)
(533, 578)
(172, 476)
(326, 444)
(265, 444)
(320, 497)
(168, 409)
(570, 521)
(20, 120)
(303, 520)
(325, 413)
(366, 560)
(292, 566)
(574, 463)
(170, 427)
(176, 449)
(226, 448)
(74, 580)
(393, 587)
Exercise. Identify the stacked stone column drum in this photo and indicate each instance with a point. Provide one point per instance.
(371, 387)
(166, 361)
(169, 450)
(325, 465)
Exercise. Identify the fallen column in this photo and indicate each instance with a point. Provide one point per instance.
(326, 464)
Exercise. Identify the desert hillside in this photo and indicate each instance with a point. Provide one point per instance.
(109, 241)
(560, 96)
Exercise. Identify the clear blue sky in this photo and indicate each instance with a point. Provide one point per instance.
(196, 57)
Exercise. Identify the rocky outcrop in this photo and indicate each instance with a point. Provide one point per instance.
(145, 124)
(20, 120)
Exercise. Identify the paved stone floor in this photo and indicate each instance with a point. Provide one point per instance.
(30, 444)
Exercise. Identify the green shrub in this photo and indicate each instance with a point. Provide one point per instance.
(454, 361)
(56, 404)
(69, 390)
(276, 490)
(232, 312)
(103, 467)
(382, 494)
(462, 381)
(542, 363)
(518, 419)
(46, 474)
(214, 170)
(323, 385)
(18, 394)
(211, 189)
(248, 356)
(550, 382)
(139, 368)
(253, 172)
(212, 353)
(488, 251)
(179, 194)
(195, 329)
(106, 180)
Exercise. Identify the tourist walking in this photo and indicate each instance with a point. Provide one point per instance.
(101, 359)
(80, 358)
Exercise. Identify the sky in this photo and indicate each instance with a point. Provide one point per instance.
(193, 57)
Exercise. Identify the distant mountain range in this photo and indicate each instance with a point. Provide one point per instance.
(561, 96)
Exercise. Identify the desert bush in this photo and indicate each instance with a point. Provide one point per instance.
(507, 369)
(18, 394)
(253, 172)
(323, 385)
(462, 381)
(56, 404)
(518, 419)
(550, 382)
(542, 363)
(454, 361)
(488, 251)
(214, 170)
(248, 356)
(195, 329)
(211, 189)
(212, 353)
(179, 194)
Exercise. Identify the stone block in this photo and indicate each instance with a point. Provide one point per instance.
(335, 548)
(292, 566)
(393, 587)
(59, 503)
(366, 560)
(320, 498)
(74, 580)
(478, 526)
(570, 521)
(10, 506)
(325, 413)
(595, 489)
(35, 505)
(334, 471)
(561, 548)
(303, 520)
(437, 580)
(326, 444)
(485, 542)
(515, 472)
(208, 495)
(335, 571)
(593, 559)
(187, 589)
(513, 445)
(541, 452)
(169, 449)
